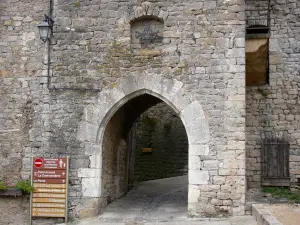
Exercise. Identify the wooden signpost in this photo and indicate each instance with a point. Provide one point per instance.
(50, 181)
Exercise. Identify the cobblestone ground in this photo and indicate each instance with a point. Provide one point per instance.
(157, 202)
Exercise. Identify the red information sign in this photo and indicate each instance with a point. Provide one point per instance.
(50, 181)
(43, 163)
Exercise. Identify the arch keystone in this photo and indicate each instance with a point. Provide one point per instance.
(148, 9)
(150, 81)
(129, 84)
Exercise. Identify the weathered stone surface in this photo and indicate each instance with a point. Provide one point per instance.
(91, 187)
(195, 123)
(269, 108)
(198, 150)
(198, 69)
(161, 128)
(87, 132)
(198, 177)
(88, 172)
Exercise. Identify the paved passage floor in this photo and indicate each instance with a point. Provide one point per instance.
(157, 202)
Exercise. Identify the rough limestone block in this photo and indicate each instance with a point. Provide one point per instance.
(92, 149)
(236, 98)
(236, 145)
(28, 36)
(129, 84)
(198, 150)
(91, 187)
(96, 161)
(155, 11)
(89, 172)
(170, 87)
(195, 163)
(181, 99)
(197, 133)
(138, 12)
(149, 81)
(195, 124)
(198, 177)
(238, 211)
(193, 195)
(192, 112)
(211, 164)
(86, 132)
(92, 114)
(109, 98)
(239, 42)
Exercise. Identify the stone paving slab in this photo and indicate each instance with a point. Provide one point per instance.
(264, 216)
(158, 202)
(191, 223)
(242, 220)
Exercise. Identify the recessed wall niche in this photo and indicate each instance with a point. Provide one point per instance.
(146, 33)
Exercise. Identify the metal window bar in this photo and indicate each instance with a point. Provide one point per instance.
(261, 22)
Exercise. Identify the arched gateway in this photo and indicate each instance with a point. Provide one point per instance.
(96, 117)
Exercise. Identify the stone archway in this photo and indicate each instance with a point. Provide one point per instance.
(172, 92)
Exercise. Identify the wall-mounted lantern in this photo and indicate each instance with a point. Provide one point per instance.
(46, 28)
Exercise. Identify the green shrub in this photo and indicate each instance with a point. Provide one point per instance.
(3, 186)
(25, 186)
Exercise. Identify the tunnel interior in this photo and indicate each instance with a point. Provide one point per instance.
(144, 140)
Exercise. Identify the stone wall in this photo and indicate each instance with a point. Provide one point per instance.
(114, 157)
(162, 130)
(23, 97)
(202, 56)
(273, 109)
(203, 47)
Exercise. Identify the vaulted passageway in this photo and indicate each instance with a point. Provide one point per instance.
(127, 135)
(105, 129)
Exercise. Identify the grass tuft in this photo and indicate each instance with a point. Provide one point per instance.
(282, 192)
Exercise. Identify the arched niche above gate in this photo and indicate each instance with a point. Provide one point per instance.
(138, 16)
(147, 33)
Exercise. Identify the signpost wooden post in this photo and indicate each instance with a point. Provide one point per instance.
(50, 181)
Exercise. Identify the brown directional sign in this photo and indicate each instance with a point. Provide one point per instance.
(48, 195)
(55, 174)
(50, 182)
(37, 185)
(48, 205)
(49, 190)
(48, 212)
(48, 200)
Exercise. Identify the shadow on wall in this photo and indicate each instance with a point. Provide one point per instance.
(161, 132)
(123, 162)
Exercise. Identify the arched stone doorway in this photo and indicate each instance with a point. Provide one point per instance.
(144, 123)
(96, 117)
